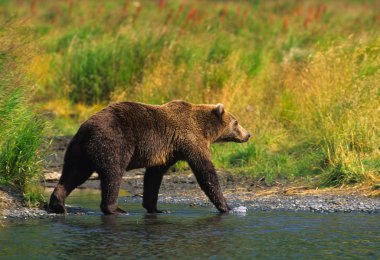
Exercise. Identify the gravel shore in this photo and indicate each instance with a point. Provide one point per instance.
(183, 188)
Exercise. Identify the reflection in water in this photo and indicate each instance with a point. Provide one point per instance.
(141, 236)
(192, 233)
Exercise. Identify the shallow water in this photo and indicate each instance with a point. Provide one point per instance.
(189, 233)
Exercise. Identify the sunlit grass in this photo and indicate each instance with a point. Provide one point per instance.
(303, 77)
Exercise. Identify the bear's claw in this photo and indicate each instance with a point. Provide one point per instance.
(57, 208)
(119, 210)
(56, 205)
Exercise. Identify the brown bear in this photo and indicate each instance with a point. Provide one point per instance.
(129, 135)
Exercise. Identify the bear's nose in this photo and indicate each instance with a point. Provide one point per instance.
(249, 134)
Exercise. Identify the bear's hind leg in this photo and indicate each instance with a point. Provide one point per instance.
(110, 182)
(72, 177)
(152, 182)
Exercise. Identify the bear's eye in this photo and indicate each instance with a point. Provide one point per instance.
(236, 123)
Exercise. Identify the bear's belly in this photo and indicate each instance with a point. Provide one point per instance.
(146, 161)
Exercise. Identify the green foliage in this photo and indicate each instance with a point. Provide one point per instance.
(21, 136)
(21, 132)
(34, 195)
(219, 51)
(94, 71)
(302, 76)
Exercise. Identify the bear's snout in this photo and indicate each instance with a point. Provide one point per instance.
(248, 135)
(244, 135)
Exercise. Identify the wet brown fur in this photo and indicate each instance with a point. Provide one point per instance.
(129, 135)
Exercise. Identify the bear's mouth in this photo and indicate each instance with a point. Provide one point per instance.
(232, 139)
(241, 141)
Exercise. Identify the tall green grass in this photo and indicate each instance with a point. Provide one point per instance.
(95, 70)
(21, 135)
(302, 76)
(21, 131)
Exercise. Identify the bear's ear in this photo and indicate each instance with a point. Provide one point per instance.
(219, 109)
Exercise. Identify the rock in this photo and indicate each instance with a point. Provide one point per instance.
(240, 210)
(52, 176)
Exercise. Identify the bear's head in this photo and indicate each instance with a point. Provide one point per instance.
(232, 131)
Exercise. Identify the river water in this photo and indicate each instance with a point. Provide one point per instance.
(191, 233)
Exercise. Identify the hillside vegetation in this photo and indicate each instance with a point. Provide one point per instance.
(303, 77)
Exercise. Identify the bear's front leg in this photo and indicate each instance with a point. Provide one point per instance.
(152, 182)
(208, 180)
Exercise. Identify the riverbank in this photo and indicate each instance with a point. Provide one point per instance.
(181, 187)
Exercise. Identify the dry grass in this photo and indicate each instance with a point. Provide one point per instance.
(303, 77)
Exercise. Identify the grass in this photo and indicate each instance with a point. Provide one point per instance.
(21, 131)
(94, 71)
(303, 77)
